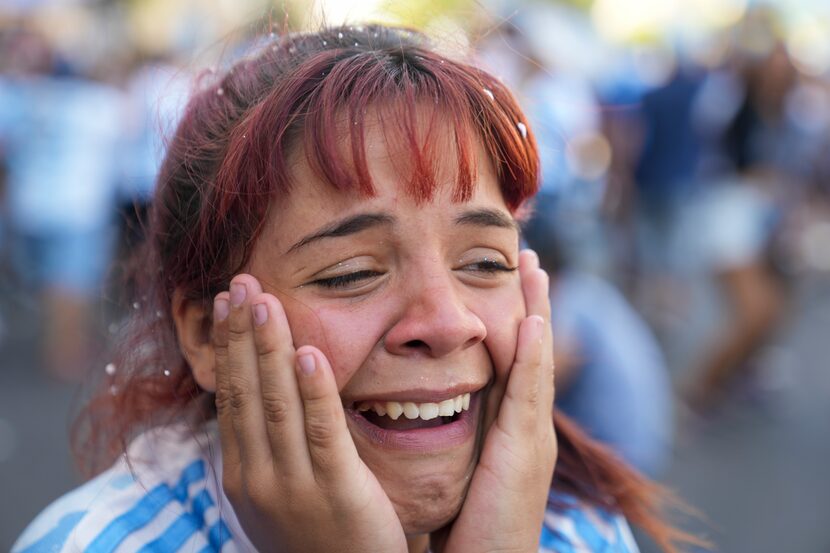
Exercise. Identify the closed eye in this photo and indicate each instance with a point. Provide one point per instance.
(490, 266)
(343, 281)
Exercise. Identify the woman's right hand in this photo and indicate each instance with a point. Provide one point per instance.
(290, 467)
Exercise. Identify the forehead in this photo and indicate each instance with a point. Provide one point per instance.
(417, 148)
(314, 201)
(417, 143)
(392, 186)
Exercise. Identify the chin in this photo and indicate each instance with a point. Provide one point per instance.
(427, 490)
(424, 503)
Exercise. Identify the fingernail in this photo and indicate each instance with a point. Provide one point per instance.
(307, 363)
(238, 292)
(260, 314)
(220, 310)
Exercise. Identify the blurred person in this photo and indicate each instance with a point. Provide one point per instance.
(334, 249)
(621, 126)
(563, 109)
(668, 164)
(5, 269)
(664, 182)
(59, 134)
(611, 377)
(610, 372)
(155, 93)
(730, 233)
(705, 224)
(733, 226)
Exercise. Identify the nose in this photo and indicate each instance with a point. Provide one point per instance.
(434, 321)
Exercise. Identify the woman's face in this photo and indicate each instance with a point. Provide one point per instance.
(412, 304)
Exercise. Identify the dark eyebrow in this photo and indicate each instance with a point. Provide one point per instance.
(487, 218)
(344, 227)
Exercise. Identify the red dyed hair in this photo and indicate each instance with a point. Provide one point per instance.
(227, 163)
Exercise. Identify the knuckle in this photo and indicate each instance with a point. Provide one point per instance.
(237, 393)
(222, 400)
(320, 430)
(220, 348)
(237, 332)
(276, 408)
(266, 346)
(532, 396)
(220, 352)
(319, 433)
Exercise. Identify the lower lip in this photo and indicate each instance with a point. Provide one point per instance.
(422, 439)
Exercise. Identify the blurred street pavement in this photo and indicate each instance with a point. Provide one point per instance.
(758, 471)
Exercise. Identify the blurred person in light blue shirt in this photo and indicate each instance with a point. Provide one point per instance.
(610, 373)
(564, 112)
(60, 137)
(156, 94)
(611, 376)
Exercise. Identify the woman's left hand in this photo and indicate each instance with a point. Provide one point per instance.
(505, 504)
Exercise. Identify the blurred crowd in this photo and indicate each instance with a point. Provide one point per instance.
(79, 151)
(685, 191)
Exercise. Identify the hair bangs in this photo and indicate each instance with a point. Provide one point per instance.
(432, 112)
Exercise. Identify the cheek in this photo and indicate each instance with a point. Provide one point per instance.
(345, 336)
(501, 315)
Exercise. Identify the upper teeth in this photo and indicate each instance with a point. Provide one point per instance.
(410, 410)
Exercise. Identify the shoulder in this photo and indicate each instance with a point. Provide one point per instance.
(580, 528)
(161, 505)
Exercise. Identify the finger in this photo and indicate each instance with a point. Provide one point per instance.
(536, 290)
(243, 393)
(519, 412)
(528, 261)
(330, 446)
(227, 435)
(547, 381)
(281, 403)
(535, 285)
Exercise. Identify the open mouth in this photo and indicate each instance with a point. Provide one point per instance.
(417, 426)
(408, 415)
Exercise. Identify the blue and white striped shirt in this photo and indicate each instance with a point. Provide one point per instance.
(165, 495)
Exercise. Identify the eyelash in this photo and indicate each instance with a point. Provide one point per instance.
(341, 281)
(491, 266)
